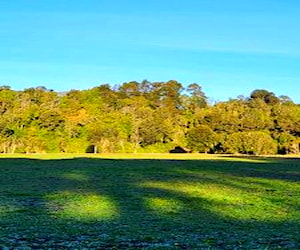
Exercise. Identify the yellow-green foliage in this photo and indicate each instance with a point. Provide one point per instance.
(145, 117)
(256, 142)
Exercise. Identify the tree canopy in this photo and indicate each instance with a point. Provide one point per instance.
(146, 117)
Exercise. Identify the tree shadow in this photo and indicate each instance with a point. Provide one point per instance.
(149, 204)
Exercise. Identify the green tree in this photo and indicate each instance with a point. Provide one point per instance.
(197, 98)
(201, 139)
(266, 96)
(288, 143)
(254, 142)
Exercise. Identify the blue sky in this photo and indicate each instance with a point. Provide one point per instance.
(229, 47)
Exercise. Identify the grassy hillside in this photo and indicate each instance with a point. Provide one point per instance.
(149, 201)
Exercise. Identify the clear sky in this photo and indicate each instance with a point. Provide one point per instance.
(229, 47)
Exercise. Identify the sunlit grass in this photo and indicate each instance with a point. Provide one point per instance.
(72, 205)
(229, 201)
(161, 156)
(163, 206)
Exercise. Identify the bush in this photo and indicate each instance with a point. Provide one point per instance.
(287, 144)
(157, 148)
(75, 145)
(201, 139)
(255, 142)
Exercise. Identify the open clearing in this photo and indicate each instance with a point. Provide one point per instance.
(151, 201)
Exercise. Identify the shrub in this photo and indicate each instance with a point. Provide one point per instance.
(156, 148)
(254, 142)
(287, 143)
(75, 145)
(201, 139)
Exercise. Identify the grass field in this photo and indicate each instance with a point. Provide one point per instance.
(150, 201)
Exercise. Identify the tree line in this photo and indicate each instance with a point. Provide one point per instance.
(143, 117)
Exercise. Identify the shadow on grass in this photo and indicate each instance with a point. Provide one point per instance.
(139, 203)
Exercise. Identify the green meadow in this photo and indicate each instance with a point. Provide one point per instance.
(149, 201)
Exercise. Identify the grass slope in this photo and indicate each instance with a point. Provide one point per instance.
(149, 201)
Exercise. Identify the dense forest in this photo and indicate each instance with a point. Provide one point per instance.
(145, 117)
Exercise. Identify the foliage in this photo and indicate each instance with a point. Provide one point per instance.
(254, 142)
(145, 117)
(201, 139)
(264, 95)
(287, 143)
(157, 148)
